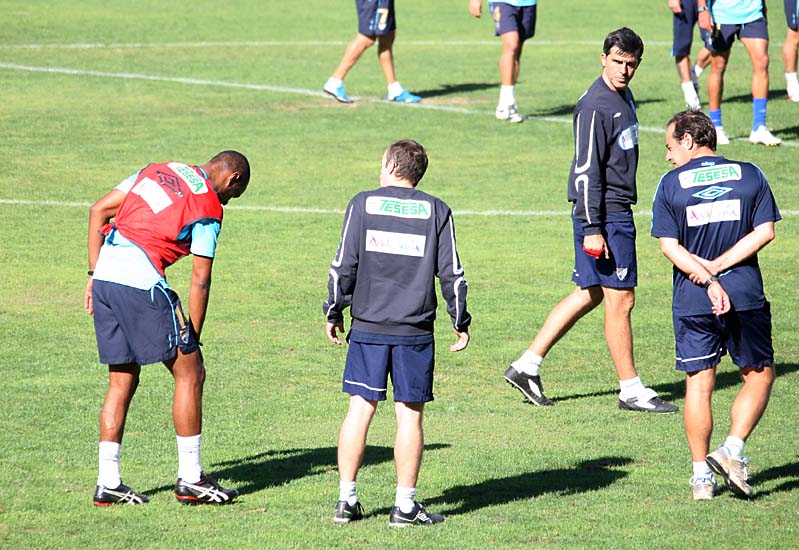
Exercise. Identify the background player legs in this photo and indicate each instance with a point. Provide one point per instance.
(187, 409)
(386, 57)
(352, 436)
(352, 54)
(698, 413)
(758, 52)
(408, 443)
(751, 401)
(619, 304)
(789, 61)
(563, 317)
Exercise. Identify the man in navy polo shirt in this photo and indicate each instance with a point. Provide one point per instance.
(712, 215)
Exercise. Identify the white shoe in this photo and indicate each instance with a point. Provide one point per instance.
(793, 93)
(509, 113)
(764, 136)
(721, 137)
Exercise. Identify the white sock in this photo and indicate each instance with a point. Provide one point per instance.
(689, 93)
(791, 80)
(701, 469)
(507, 95)
(189, 468)
(631, 388)
(333, 83)
(697, 70)
(528, 363)
(735, 446)
(395, 89)
(404, 498)
(346, 491)
(108, 475)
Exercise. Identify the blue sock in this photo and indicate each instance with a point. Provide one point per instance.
(758, 112)
(715, 116)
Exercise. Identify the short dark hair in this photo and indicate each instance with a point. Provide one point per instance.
(626, 40)
(411, 160)
(697, 125)
(233, 161)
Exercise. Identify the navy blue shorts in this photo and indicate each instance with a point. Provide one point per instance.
(135, 326)
(410, 366)
(722, 38)
(621, 269)
(792, 14)
(683, 29)
(376, 17)
(509, 18)
(702, 340)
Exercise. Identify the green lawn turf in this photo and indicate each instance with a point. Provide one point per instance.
(183, 80)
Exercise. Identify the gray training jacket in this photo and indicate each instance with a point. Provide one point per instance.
(394, 242)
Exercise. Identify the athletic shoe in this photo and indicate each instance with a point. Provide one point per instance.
(337, 93)
(764, 136)
(205, 491)
(704, 488)
(692, 101)
(793, 94)
(530, 386)
(103, 496)
(647, 402)
(721, 136)
(417, 516)
(346, 512)
(694, 79)
(405, 97)
(733, 470)
(509, 113)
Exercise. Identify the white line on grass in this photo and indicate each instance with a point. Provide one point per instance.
(302, 210)
(297, 91)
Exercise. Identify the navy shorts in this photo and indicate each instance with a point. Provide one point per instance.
(683, 29)
(792, 14)
(376, 17)
(618, 271)
(410, 366)
(509, 18)
(702, 340)
(722, 38)
(135, 326)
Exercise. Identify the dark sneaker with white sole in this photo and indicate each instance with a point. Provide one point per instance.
(417, 516)
(648, 402)
(205, 491)
(346, 512)
(530, 386)
(103, 496)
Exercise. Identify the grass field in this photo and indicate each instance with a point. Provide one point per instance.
(92, 91)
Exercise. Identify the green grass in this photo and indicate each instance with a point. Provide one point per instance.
(580, 474)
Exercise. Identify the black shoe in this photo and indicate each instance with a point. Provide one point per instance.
(530, 386)
(205, 491)
(103, 496)
(417, 516)
(649, 402)
(346, 512)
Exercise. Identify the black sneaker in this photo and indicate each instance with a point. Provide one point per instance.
(346, 512)
(103, 496)
(648, 402)
(205, 491)
(417, 516)
(530, 386)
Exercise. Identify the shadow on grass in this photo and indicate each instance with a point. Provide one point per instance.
(449, 89)
(676, 390)
(274, 468)
(588, 475)
(787, 472)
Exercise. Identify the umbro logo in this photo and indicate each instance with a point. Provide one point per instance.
(712, 192)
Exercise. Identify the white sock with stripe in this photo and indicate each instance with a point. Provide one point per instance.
(189, 468)
(108, 475)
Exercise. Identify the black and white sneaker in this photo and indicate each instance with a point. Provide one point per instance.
(647, 402)
(417, 516)
(103, 496)
(346, 512)
(205, 491)
(530, 386)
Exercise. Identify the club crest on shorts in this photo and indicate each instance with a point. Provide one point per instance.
(621, 273)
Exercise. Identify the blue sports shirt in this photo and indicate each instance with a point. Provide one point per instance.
(708, 205)
(736, 12)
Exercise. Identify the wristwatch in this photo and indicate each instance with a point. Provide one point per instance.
(700, 9)
(710, 280)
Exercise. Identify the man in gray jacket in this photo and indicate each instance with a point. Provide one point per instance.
(395, 241)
